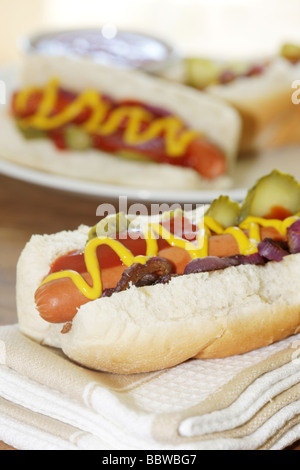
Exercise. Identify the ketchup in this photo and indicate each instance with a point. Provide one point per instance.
(136, 244)
(278, 212)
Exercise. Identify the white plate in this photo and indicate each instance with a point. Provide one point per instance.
(248, 170)
(110, 191)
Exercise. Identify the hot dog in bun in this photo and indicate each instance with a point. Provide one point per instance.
(142, 294)
(261, 91)
(77, 118)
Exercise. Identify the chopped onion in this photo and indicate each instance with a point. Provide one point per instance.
(293, 237)
(255, 259)
(202, 265)
(271, 250)
(213, 263)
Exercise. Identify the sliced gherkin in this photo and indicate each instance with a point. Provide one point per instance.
(110, 226)
(30, 133)
(77, 138)
(224, 211)
(136, 156)
(290, 52)
(201, 73)
(274, 193)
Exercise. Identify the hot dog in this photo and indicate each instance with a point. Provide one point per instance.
(260, 90)
(58, 300)
(81, 119)
(170, 288)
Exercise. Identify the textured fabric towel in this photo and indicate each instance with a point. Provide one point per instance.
(246, 402)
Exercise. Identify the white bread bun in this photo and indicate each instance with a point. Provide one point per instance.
(207, 315)
(264, 102)
(269, 117)
(210, 115)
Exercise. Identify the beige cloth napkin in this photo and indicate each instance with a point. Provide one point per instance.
(245, 402)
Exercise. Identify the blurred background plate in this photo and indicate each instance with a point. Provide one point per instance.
(111, 191)
(247, 172)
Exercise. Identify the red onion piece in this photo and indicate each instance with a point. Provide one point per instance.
(207, 264)
(272, 250)
(255, 259)
(293, 237)
(295, 226)
(213, 263)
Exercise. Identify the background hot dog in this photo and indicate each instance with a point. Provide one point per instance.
(131, 129)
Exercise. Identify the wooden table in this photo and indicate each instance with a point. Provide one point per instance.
(25, 210)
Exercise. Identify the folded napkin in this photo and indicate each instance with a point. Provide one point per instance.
(246, 402)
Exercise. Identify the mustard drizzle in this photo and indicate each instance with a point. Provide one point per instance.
(177, 137)
(247, 245)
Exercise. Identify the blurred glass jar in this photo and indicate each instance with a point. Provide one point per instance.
(107, 45)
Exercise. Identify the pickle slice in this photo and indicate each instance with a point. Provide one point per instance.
(200, 73)
(77, 138)
(224, 211)
(30, 133)
(272, 193)
(110, 226)
(135, 156)
(290, 52)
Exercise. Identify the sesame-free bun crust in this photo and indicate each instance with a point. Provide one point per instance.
(270, 119)
(209, 315)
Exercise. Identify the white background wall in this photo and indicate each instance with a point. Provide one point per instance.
(231, 28)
